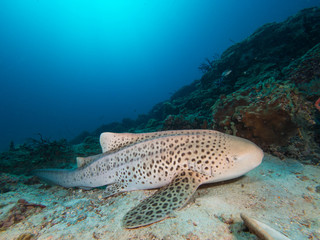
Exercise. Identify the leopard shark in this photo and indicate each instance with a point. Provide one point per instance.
(177, 162)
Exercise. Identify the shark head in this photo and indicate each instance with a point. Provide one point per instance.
(243, 156)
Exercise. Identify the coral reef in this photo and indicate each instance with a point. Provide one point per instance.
(270, 114)
(38, 152)
(262, 89)
(317, 104)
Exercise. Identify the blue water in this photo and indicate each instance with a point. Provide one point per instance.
(69, 66)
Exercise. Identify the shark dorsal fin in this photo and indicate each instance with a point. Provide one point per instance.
(113, 141)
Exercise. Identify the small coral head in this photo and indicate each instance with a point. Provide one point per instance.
(317, 104)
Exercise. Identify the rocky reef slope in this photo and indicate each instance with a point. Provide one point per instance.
(263, 88)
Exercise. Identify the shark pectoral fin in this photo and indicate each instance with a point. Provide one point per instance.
(113, 189)
(164, 201)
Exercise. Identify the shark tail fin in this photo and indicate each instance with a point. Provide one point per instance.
(60, 177)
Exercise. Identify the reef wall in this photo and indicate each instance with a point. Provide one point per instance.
(262, 88)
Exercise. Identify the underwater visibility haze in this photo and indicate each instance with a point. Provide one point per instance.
(71, 66)
(127, 107)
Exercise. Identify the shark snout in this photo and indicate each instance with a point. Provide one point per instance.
(246, 155)
(252, 157)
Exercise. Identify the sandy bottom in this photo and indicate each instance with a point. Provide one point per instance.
(284, 194)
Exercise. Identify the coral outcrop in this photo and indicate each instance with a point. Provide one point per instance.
(263, 88)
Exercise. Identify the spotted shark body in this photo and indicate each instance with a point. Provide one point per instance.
(177, 162)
